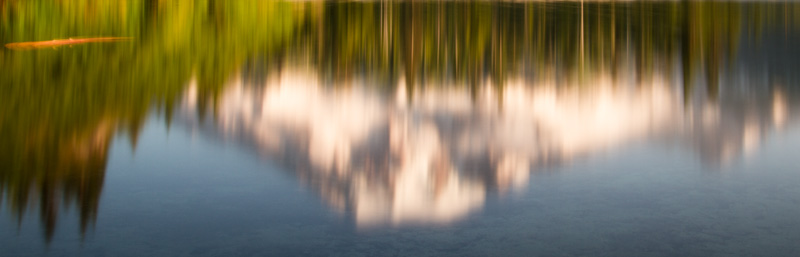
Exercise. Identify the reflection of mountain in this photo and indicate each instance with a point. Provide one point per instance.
(431, 154)
(413, 123)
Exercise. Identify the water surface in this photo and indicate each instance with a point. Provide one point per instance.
(403, 128)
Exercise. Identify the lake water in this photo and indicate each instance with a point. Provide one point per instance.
(250, 128)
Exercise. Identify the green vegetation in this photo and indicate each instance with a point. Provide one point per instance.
(60, 108)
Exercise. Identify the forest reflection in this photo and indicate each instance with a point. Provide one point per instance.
(398, 113)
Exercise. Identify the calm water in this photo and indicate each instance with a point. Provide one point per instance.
(224, 128)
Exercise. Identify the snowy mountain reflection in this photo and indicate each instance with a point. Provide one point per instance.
(429, 154)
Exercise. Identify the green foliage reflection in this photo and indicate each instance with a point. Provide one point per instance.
(61, 108)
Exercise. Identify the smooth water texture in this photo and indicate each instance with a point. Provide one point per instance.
(244, 128)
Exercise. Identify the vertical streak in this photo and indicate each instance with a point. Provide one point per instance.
(581, 36)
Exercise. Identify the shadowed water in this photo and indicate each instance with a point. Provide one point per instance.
(400, 128)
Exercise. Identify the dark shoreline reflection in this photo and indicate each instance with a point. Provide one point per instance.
(398, 113)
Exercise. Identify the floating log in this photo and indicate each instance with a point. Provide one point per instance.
(62, 42)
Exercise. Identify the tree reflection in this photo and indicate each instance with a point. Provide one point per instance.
(465, 97)
(61, 108)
